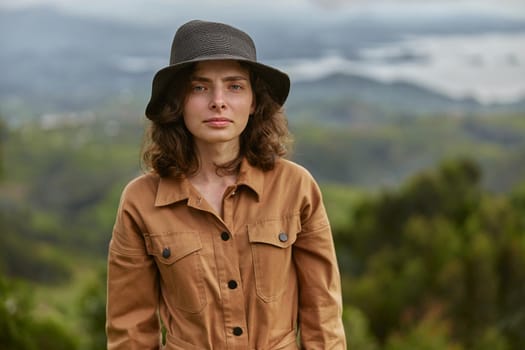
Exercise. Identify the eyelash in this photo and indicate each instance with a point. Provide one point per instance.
(199, 88)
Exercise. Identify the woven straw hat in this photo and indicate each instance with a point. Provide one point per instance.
(198, 41)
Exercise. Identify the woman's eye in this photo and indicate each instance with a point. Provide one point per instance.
(235, 87)
(198, 88)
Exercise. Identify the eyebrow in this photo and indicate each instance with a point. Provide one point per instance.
(228, 78)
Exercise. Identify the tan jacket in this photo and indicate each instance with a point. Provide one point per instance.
(249, 280)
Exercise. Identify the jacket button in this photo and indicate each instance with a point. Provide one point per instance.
(225, 236)
(237, 331)
(283, 237)
(232, 284)
(166, 253)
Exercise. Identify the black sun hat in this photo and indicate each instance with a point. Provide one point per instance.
(197, 41)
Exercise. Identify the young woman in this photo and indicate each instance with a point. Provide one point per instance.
(222, 241)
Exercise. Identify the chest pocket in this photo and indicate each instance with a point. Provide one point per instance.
(178, 258)
(271, 244)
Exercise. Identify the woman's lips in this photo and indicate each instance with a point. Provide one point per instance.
(218, 122)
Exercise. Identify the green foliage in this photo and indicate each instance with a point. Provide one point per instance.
(357, 330)
(369, 153)
(339, 201)
(433, 262)
(19, 330)
(64, 192)
(3, 133)
(441, 246)
(14, 317)
(23, 257)
(491, 339)
(92, 306)
(429, 334)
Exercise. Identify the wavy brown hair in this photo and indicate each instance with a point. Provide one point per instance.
(169, 149)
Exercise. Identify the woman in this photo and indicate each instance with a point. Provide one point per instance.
(223, 240)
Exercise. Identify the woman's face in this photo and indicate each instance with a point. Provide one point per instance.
(219, 102)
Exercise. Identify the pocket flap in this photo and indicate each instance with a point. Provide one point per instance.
(172, 246)
(280, 233)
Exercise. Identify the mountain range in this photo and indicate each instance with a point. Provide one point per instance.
(56, 62)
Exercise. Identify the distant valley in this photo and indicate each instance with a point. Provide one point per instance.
(52, 63)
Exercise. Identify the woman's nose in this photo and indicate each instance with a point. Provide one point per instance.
(217, 100)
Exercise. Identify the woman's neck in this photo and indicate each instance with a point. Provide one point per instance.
(212, 156)
(211, 183)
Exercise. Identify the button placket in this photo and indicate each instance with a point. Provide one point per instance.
(232, 284)
(233, 303)
(237, 331)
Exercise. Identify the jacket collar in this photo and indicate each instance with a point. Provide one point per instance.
(251, 177)
(172, 190)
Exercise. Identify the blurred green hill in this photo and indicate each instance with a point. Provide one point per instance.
(432, 256)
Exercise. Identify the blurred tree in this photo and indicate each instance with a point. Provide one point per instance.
(92, 305)
(491, 339)
(479, 309)
(358, 333)
(14, 316)
(511, 272)
(429, 334)
(440, 242)
(3, 135)
(19, 330)
(22, 256)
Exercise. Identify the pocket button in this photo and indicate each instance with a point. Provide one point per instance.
(166, 253)
(283, 237)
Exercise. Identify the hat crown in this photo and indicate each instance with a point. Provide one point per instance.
(198, 41)
(210, 40)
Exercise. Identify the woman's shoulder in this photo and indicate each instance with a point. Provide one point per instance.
(292, 170)
(141, 186)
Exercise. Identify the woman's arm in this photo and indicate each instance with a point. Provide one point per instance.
(320, 300)
(133, 293)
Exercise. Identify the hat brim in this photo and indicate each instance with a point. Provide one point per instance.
(278, 82)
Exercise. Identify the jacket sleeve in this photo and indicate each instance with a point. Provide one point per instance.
(133, 293)
(320, 300)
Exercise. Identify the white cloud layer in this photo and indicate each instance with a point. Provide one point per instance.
(163, 9)
(487, 67)
(490, 68)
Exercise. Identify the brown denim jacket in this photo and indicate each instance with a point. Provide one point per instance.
(254, 279)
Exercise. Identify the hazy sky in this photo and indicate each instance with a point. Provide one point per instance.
(489, 68)
(152, 10)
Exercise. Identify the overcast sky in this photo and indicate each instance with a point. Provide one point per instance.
(152, 10)
(497, 79)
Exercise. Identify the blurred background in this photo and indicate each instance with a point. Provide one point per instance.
(410, 114)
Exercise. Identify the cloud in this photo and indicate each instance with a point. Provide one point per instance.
(147, 10)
